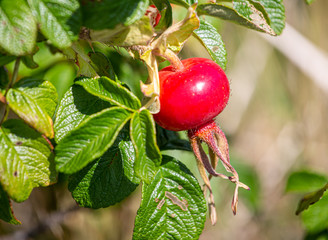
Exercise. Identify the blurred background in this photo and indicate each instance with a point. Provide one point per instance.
(276, 123)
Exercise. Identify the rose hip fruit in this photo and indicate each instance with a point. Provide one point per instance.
(191, 96)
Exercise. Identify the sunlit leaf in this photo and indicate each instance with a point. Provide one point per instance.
(172, 206)
(90, 139)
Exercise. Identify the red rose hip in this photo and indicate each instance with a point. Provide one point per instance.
(193, 95)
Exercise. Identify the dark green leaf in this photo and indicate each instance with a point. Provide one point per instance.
(90, 139)
(213, 43)
(137, 33)
(305, 181)
(34, 101)
(322, 235)
(110, 91)
(18, 27)
(29, 62)
(173, 205)
(26, 160)
(75, 106)
(170, 140)
(315, 218)
(6, 212)
(106, 181)
(4, 59)
(4, 80)
(165, 9)
(310, 199)
(59, 21)
(246, 15)
(148, 156)
(108, 13)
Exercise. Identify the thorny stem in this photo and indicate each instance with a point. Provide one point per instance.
(11, 83)
(171, 57)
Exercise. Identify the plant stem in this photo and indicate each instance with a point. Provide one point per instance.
(171, 57)
(11, 83)
(15, 73)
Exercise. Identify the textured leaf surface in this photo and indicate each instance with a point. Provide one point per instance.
(243, 14)
(138, 33)
(213, 43)
(109, 13)
(110, 91)
(26, 160)
(173, 205)
(34, 101)
(75, 106)
(315, 218)
(107, 180)
(275, 11)
(18, 28)
(59, 21)
(175, 36)
(90, 139)
(305, 181)
(6, 213)
(148, 156)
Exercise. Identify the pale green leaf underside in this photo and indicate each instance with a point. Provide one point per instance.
(59, 21)
(246, 15)
(90, 139)
(18, 28)
(173, 205)
(213, 43)
(148, 156)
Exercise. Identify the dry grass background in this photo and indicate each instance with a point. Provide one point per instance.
(276, 122)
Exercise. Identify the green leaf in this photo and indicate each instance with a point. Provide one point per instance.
(90, 139)
(18, 28)
(172, 206)
(315, 218)
(106, 180)
(165, 9)
(110, 91)
(183, 3)
(244, 14)
(310, 199)
(212, 41)
(59, 21)
(26, 160)
(34, 101)
(75, 106)
(109, 13)
(175, 36)
(138, 33)
(148, 156)
(4, 80)
(29, 62)
(305, 181)
(4, 59)
(170, 140)
(6, 212)
(275, 11)
(309, 1)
